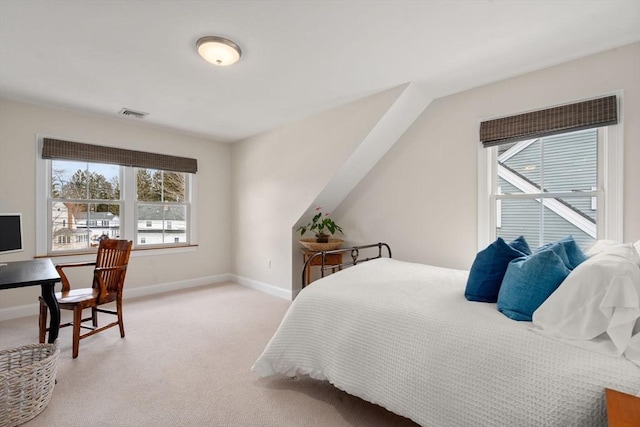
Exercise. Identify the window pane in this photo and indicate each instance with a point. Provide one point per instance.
(176, 224)
(558, 219)
(161, 223)
(68, 179)
(519, 167)
(104, 181)
(149, 185)
(571, 161)
(149, 222)
(65, 233)
(174, 187)
(569, 216)
(77, 226)
(160, 186)
(520, 217)
(81, 180)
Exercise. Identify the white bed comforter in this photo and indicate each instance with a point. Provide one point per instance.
(403, 336)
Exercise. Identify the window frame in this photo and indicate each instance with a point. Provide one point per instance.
(610, 185)
(128, 221)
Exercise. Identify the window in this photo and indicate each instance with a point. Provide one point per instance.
(162, 210)
(551, 185)
(88, 200)
(84, 202)
(545, 188)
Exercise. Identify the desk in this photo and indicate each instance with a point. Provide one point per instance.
(329, 260)
(32, 273)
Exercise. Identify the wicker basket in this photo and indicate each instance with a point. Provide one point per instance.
(27, 378)
(312, 245)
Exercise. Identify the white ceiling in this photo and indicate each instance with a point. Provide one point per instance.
(299, 57)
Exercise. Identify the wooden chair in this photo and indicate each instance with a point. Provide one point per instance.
(108, 282)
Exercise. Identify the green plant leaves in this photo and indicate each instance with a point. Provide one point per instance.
(321, 224)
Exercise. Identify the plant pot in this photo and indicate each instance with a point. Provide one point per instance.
(312, 245)
(322, 238)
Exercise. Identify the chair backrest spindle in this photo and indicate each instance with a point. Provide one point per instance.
(111, 265)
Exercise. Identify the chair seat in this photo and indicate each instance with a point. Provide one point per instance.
(75, 296)
(85, 297)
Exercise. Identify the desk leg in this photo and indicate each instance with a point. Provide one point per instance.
(49, 296)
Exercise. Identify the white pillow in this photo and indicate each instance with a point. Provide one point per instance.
(600, 246)
(598, 305)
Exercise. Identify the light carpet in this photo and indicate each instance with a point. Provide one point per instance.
(185, 361)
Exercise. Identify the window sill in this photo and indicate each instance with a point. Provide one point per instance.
(135, 253)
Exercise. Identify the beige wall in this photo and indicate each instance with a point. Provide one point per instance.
(19, 124)
(276, 176)
(421, 198)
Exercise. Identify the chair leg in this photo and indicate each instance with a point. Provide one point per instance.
(120, 321)
(42, 322)
(77, 320)
(94, 316)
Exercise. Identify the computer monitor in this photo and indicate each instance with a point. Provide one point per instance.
(10, 233)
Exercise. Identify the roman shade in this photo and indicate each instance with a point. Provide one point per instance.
(68, 150)
(565, 118)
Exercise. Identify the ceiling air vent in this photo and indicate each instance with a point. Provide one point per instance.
(131, 113)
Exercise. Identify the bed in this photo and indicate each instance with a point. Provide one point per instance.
(403, 336)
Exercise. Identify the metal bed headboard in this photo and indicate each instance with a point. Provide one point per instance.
(355, 258)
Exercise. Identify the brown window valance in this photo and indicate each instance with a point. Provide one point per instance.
(565, 118)
(67, 150)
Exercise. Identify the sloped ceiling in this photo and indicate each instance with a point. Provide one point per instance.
(299, 57)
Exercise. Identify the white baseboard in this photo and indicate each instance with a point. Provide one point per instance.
(174, 286)
(263, 287)
(32, 309)
(19, 311)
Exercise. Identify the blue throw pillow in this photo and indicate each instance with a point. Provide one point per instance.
(574, 253)
(559, 249)
(489, 267)
(521, 244)
(529, 281)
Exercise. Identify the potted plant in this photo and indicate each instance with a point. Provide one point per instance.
(323, 226)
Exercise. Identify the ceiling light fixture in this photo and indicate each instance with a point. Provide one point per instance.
(218, 50)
